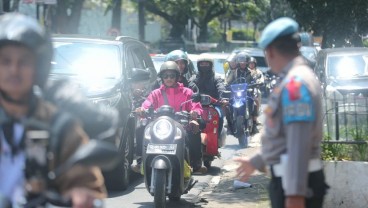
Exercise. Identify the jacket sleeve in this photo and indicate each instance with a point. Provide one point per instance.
(260, 79)
(149, 101)
(220, 86)
(78, 176)
(231, 77)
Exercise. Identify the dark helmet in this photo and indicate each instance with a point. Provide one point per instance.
(177, 55)
(242, 57)
(169, 66)
(253, 60)
(20, 29)
(139, 75)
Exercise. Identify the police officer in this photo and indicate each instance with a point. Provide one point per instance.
(293, 130)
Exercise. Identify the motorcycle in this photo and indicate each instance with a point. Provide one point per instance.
(94, 153)
(242, 103)
(212, 138)
(270, 83)
(165, 161)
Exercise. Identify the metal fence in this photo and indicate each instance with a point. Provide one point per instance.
(346, 118)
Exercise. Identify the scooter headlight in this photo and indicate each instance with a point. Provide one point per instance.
(239, 94)
(162, 129)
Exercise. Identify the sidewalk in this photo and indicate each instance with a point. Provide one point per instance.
(221, 194)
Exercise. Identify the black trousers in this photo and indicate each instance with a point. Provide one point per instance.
(316, 191)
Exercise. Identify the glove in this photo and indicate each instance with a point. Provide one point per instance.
(194, 126)
(140, 111)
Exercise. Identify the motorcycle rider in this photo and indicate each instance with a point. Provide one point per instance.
(25, 57)
(174, 93)
(208, 84)
(242, 70)
(259, 78)
(185, 67)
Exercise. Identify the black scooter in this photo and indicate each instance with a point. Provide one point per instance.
(165, 155)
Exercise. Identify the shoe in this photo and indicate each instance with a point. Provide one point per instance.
(136, 168)
(201, 170)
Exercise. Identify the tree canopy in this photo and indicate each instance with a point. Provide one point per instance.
(339, 22)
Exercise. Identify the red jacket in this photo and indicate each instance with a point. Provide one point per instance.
(175, 96)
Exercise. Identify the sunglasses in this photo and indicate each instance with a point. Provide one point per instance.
(171, 76)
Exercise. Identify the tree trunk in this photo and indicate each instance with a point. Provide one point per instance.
(68, 24)
(6, 5)
(176, 31)
(203, 33)
(116, 15)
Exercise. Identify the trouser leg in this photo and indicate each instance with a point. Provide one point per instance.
(139, 132)
(316, 191)
(195, 150)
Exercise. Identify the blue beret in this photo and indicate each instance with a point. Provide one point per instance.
(277, 28)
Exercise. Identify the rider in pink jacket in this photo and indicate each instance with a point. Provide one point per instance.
(176, 96)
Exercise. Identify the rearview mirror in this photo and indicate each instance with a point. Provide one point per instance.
(196, 97)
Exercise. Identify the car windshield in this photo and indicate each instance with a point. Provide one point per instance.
(157, 62)
(341, 66)
(86, 60)
(219, 65)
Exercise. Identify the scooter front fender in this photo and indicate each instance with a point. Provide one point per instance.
(161, 162)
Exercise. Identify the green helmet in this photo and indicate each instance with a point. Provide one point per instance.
(177, 55)
(169, 66)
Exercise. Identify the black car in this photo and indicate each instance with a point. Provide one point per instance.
(343, 73)
(102, 68)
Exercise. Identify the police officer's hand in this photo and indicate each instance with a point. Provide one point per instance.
(81, 197)
(245, 168)
(295, 202)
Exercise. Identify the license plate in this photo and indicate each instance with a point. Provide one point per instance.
(167, 149)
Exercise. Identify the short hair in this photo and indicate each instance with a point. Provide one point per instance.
(287, 45)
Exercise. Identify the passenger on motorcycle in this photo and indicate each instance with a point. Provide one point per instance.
(259, 79)
(174, 93)
(230, 64)
(185, 69)
(208, 84)
(25, 58)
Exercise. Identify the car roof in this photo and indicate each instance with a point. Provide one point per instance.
(337, 51)
(216, 55)
(95, 39)
(250, 51)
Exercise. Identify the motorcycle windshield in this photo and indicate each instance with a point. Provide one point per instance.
(239, 87)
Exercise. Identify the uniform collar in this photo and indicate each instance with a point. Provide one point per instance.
(295, 62)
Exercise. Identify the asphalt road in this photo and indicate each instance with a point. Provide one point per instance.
(137, 196)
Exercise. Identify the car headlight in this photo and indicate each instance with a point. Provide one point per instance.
(162, 129)
(108, 101)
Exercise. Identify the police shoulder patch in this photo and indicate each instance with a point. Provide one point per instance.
(297, 102)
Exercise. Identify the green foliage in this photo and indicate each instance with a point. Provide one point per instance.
(340, 22)
(242, 34)
(347, 151)
(365, 43)
(215, 31)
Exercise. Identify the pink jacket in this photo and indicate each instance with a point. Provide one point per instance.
(175, 96)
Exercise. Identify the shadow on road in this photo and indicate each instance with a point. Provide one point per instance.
(177, 204)
(135, 180)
